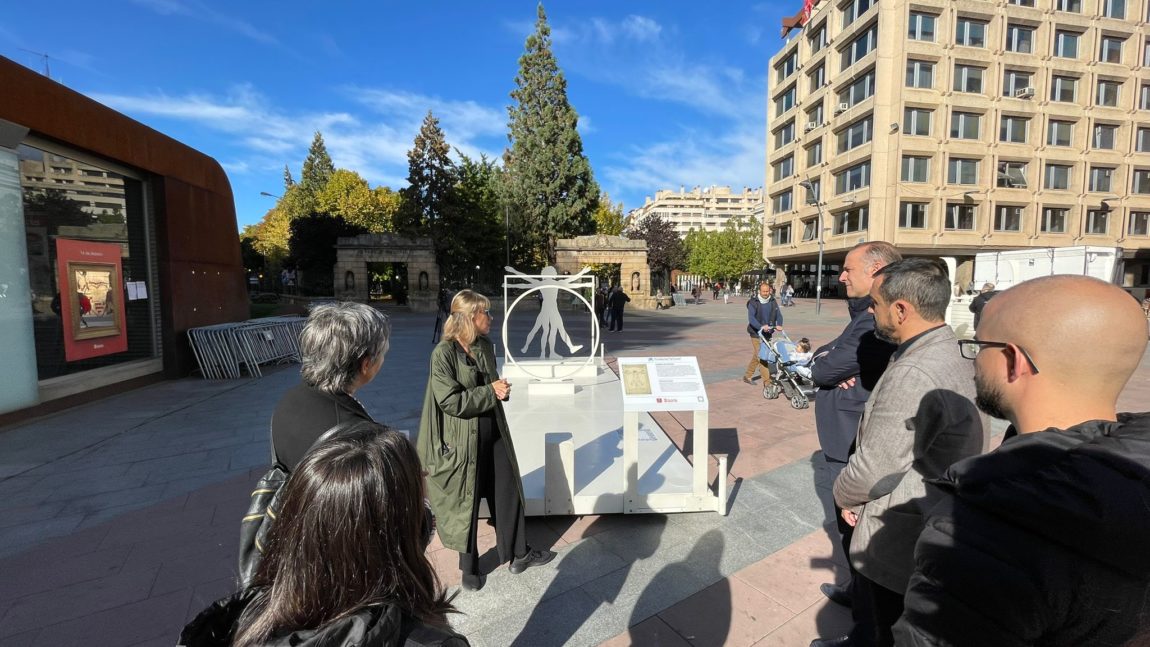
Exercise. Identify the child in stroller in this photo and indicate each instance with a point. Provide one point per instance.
(790, 364)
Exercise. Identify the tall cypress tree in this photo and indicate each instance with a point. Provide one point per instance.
(430, 181)
(318, 167)
(549, 181)
(289, 181)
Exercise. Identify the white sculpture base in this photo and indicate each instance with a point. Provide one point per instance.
(541, 369)
(544, 388)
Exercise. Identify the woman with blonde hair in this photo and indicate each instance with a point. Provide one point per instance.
(466, 448)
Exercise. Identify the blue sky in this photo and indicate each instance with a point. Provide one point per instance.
(669, 93)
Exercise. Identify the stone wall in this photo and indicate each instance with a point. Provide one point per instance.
(353, 254)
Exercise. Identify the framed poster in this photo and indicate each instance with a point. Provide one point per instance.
(90, 281)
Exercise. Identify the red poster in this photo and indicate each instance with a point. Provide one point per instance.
(91, 286)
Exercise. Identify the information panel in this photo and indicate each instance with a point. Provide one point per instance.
(662, 384)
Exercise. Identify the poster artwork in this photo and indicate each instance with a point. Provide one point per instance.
(91, 298)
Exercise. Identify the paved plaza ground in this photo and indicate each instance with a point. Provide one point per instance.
(119, 519)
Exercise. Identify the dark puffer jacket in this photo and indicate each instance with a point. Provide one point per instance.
(381, 625)
(1045, 541)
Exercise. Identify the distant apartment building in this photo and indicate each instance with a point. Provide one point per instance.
(702, 209)
(950, 127)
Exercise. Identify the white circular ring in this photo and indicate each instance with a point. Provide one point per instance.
(594, 332)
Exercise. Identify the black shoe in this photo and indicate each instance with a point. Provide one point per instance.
(841, 641)
(473, 582)
(532, 558)
(747, 380)
(839, 594)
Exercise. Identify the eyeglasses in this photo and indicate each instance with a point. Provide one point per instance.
(969, 348)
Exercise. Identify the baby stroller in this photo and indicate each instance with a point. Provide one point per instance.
(785, 380)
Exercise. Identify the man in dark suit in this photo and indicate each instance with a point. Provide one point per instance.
(846, 370)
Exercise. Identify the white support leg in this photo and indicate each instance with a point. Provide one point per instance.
(559, 474)
(701, 441)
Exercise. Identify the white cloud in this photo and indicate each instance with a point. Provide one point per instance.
(584, 125)
(199, 11)
(641, 28)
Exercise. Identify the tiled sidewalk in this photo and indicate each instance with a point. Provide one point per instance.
(118, 519)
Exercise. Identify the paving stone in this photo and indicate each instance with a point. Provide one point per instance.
(77, 600)
(153, 619)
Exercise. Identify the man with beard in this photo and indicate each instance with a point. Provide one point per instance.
(1044, 541)
(846, 371)
(919, 420)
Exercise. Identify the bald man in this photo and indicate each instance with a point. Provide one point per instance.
(1046, 540)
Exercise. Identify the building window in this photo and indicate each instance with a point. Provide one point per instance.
(860, 47)
(1101, 179)
(785, 69)
(962, 171)
(1007, 218)
(916, 121)
(1114, 9)
(1068, 6)
(1013, 129)
(1021, 3)
(1104, 136)
(965, 125)
(1139, 223)
(860, 89)
(968, 78)
(1015, 83)
(782, 202)
(1057, 177)
(781, 235)
(1146, 54)
(854, 9)
(1063, 88)
(1144, 97)
(815, 192)
(810, 229)
(1011, 175)
(819, 39)
(959, 217)
(785, 135)
(1061, 133)
(1110, 50)
(785, 168)
(855, 135)
(818, 77)
(1020, 39)
(854, 178)
(786, 100)
(815, 153)
(815, 115)
(1066, 44)
(1108, 92)
(1054, 220)
(1098, 221)
(970, 32)
(1142, 140)
(912, 215)
(919, 74)
(921, 26)
(1141, 181)
(852, 220)
(915, 169)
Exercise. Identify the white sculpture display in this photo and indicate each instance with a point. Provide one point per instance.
(549, 323)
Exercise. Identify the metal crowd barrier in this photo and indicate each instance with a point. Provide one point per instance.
(222, 351)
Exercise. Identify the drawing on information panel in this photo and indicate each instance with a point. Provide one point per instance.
(549, 323)
(636, 380)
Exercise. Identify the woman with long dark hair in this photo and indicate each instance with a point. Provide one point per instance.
(345, 562)
(465, 445)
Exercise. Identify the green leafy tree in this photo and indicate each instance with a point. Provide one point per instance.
(479, 234)
(317, 167)
(289, 181)
(350, 197)
(728, 253)
(549, 182)
(430, 183)
(55, 209)
(608, 216)
(312, 249)
(665, 251)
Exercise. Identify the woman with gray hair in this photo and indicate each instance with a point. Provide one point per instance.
(342, 348)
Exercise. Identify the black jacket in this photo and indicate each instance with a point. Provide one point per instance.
(978, 303)
(762, 314)
(303, 414)
(858, 353)
(1045, 541)
(617, 300)
(381, 625)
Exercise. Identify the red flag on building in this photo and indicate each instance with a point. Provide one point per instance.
(808, 6)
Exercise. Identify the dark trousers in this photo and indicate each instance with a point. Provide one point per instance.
(861, 614)
(496, 480)
(616, 319)
(882, 607)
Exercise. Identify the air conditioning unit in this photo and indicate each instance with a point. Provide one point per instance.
(842, 107)
(1024, 93)
(811, 125)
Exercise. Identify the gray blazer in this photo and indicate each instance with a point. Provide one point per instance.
(919, 420)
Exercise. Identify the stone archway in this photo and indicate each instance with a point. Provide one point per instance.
(573, 254)
(353, 254)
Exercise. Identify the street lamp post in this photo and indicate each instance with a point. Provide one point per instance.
(814, 199)
(270, 195)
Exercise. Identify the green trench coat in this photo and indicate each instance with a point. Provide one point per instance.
(449, 435)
